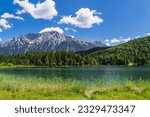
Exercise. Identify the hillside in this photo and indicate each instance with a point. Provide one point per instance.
(93, 50)
(135, 52)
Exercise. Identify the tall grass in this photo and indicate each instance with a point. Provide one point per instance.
(60, 89)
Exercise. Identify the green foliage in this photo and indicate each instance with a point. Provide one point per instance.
(6, 64)
(57, 88)
(135, 52)
(51, 59)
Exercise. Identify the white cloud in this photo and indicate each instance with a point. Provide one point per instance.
(137, 37)
(85, 18)
(108, 44)
(147, 34)
(7, 15)
(126, 39)
(0, 39)
(4, 23)
(107, 40)
(57, 29)
(70, 29)
(45, 10)
(19, 12)
(1, 30)
(114, 40)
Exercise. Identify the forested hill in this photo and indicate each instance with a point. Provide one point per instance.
(135, 52)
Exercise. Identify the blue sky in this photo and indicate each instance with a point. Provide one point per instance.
(101, 20)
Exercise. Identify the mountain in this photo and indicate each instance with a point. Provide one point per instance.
(135, 52)
(47, 41)
(1, 44)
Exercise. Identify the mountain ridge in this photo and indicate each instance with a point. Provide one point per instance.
(47, 41)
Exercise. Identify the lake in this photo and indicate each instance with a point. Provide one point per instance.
(82, 73)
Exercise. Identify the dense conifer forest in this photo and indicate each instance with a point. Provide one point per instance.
(52, 59)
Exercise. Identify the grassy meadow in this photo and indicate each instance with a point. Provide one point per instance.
(59, 89)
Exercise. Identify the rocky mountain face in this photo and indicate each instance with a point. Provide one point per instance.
(48, 41)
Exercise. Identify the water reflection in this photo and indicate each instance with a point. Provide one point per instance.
(89, 73)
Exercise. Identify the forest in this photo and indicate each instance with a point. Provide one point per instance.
(51, 59)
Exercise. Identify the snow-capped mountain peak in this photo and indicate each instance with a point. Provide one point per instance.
(47, 41)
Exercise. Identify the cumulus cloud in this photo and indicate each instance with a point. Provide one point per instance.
(7, 15)
(147, 34)
(57, 29)
(5, 24)
(137, 37)
(106, 41)
(115, 41)
(45, 10)
(70, 29)
(126, 39)
(1, 30)
(19, 12)
(85, 18)
(0, 39)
